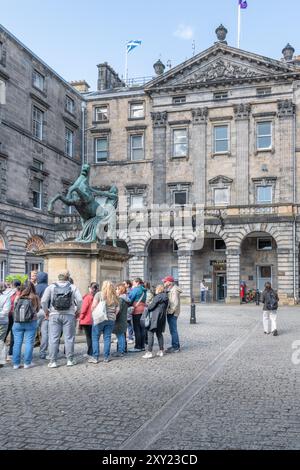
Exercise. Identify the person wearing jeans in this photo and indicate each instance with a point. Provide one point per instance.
(27, 332)
(173, 311)
(137, 297)
(85, 319)
(106, 327)
(172, 322)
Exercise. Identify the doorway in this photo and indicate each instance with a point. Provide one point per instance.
(221, 287)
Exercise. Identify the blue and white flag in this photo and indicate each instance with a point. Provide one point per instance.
(132, 44)
(243, 4)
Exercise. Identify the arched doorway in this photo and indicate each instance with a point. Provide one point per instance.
(162, 260)
(32, 261)
(258, 263)
(209, 264)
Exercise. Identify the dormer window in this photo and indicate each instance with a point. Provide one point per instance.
(220, 95)
(179, 99)
(264, 91)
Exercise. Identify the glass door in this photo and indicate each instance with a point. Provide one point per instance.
(221, 287)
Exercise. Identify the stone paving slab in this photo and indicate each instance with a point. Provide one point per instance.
(252, 401)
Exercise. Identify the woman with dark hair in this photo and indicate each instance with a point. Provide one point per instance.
(27, 306)
(121, 320)
(85, 319)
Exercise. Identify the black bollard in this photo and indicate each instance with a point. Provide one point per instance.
(257, 296)
(193, 312)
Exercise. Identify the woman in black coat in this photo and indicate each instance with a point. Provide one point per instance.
(158, 315)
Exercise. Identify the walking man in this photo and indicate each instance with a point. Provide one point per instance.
(270, 305)
(173, 311)
(65, 304)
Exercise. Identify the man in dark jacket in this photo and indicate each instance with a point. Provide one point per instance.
(270, 304)
(43, 323)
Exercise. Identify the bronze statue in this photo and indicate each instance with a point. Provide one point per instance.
(97, 221)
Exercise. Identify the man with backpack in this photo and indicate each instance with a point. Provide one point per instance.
(62, 303)
(270, 305)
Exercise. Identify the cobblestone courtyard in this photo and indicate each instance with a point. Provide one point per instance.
(231, 387)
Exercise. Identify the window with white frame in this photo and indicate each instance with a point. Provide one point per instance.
(37, 185)
(180, 143)
(101, 149)
(137, 110)
(101, 113)
(264, 194)
(219, 244)
(69, 141)
(264, 135)
(221, 196)
(220, 95)
(37, 122)
(179, 99)
(264, 244)
(38, 80)
(136, 201)
(2, 92)
(137, 147)
(221, 139)
(3, 270)
(70, 105)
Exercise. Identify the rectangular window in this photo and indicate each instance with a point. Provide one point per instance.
(264, 194)
(264, 135)
(219, 245)
(221, 95)
(221, 196)
(37, 164)
(221, 139)
(69, 138)
(178, 99)
(37, 122)
(2, 92)
(179, 198)
(37, 193)
(70, 105)
(2, 270)
(136, 201)
(137, 110)
(180, 143)
(264, 244)
(264, 91)
(101, 113)
(137, 147)
(38, 80)
(101, 149)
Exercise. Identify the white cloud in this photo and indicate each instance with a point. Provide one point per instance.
(184, 31)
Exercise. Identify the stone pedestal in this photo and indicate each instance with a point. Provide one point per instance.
(86, 262)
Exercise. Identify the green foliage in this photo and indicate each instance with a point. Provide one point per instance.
(17, 277)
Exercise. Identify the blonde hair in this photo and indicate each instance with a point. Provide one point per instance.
(108, 293)
(159, 289)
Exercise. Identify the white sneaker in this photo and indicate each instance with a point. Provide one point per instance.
(71, 362)
(130, 341)
(52, 365)
(148, 355)
(28, 366)
(17, 367)
(160, 354)
(93, 360)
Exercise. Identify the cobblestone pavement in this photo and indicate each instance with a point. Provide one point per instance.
(231, 387)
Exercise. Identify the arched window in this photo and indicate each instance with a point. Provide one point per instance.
(33, 262)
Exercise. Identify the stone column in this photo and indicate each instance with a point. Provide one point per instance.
(198, 153)
(185, 274)
(159, 120)
(241, 113)
(137, 265)
(286, 112)
(233, 275)
(285, 266)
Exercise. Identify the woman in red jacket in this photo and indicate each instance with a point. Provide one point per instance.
(85, 319)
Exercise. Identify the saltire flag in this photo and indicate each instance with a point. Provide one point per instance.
(132, 44)
(243, 4)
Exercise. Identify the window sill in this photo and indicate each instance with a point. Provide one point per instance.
(136, 119)
(183, 157)
(104, 121)
(221, 154)
(43, 92)
(265, 151)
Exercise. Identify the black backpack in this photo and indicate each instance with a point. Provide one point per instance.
(23, 311)
(272, 303)
(62, 297)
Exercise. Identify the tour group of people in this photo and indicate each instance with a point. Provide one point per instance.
(131, 310)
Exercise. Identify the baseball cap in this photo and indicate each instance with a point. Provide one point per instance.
(168, 279)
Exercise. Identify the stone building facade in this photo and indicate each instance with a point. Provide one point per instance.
(218, 132)
(40, 151)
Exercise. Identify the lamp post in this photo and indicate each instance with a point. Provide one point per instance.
(193, 312)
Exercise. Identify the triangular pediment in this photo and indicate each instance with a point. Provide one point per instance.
(220, 179)
(222, 64)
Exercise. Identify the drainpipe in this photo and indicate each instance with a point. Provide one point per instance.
(83, 109)
(294, 203)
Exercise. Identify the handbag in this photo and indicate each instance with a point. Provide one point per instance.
(146, 318)
(99, 313)
(130, 310)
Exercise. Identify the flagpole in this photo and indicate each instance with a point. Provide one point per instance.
(126, 65)
(239, 27)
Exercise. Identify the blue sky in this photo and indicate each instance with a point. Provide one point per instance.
(73, 36)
